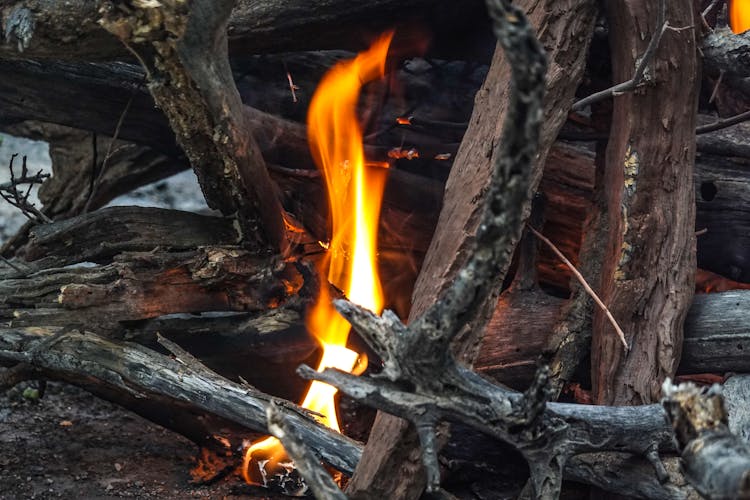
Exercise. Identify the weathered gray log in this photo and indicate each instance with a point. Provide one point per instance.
(716, 334)
(136, 371)
(565, 28)
(716, 462)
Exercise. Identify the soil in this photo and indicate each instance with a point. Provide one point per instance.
(69, 444)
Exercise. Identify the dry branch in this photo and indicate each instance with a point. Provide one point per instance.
(184, 52)
(716, 462)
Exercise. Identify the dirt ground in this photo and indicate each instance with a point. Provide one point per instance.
(72, 445)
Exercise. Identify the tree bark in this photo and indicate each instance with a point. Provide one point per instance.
(648, 273)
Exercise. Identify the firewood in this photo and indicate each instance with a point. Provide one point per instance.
(188, 73)
(179, 381)
(648, 272)
(467, 186)
(716, 462)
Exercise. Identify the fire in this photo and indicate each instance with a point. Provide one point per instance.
(739, 15)
(355, 190)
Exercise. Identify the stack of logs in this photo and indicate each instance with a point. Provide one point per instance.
(191, 320)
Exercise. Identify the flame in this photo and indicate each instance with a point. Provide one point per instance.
(739, 15)
(355, 190)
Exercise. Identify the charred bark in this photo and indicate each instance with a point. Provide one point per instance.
(716, 462)
(184, 52)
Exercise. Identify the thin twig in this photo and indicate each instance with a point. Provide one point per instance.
(10, 193)
(716, 87)
(584, 284)
(12, 265)
(710, 8)
(723, 123)
(640, 69)
(292, 86)
(108, 154)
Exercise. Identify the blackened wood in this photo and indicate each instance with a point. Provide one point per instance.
(716, 461)
(648, 271)
(100, 235)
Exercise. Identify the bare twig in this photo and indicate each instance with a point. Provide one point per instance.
(584, 284)
(723, 123)
(9, 191)
(108, 154)
(716, 87)
(292, 86)
(640, 69)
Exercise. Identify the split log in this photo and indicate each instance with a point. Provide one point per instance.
(568, 29)
(37, 29)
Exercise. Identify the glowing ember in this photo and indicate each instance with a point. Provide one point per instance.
(739, 15)
(355, 191)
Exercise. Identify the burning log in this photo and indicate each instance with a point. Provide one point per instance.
(138, 273)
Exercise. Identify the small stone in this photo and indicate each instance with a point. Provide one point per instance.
(118, 467)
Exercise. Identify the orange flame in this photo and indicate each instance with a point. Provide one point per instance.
(355, 190)
(739, 15)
